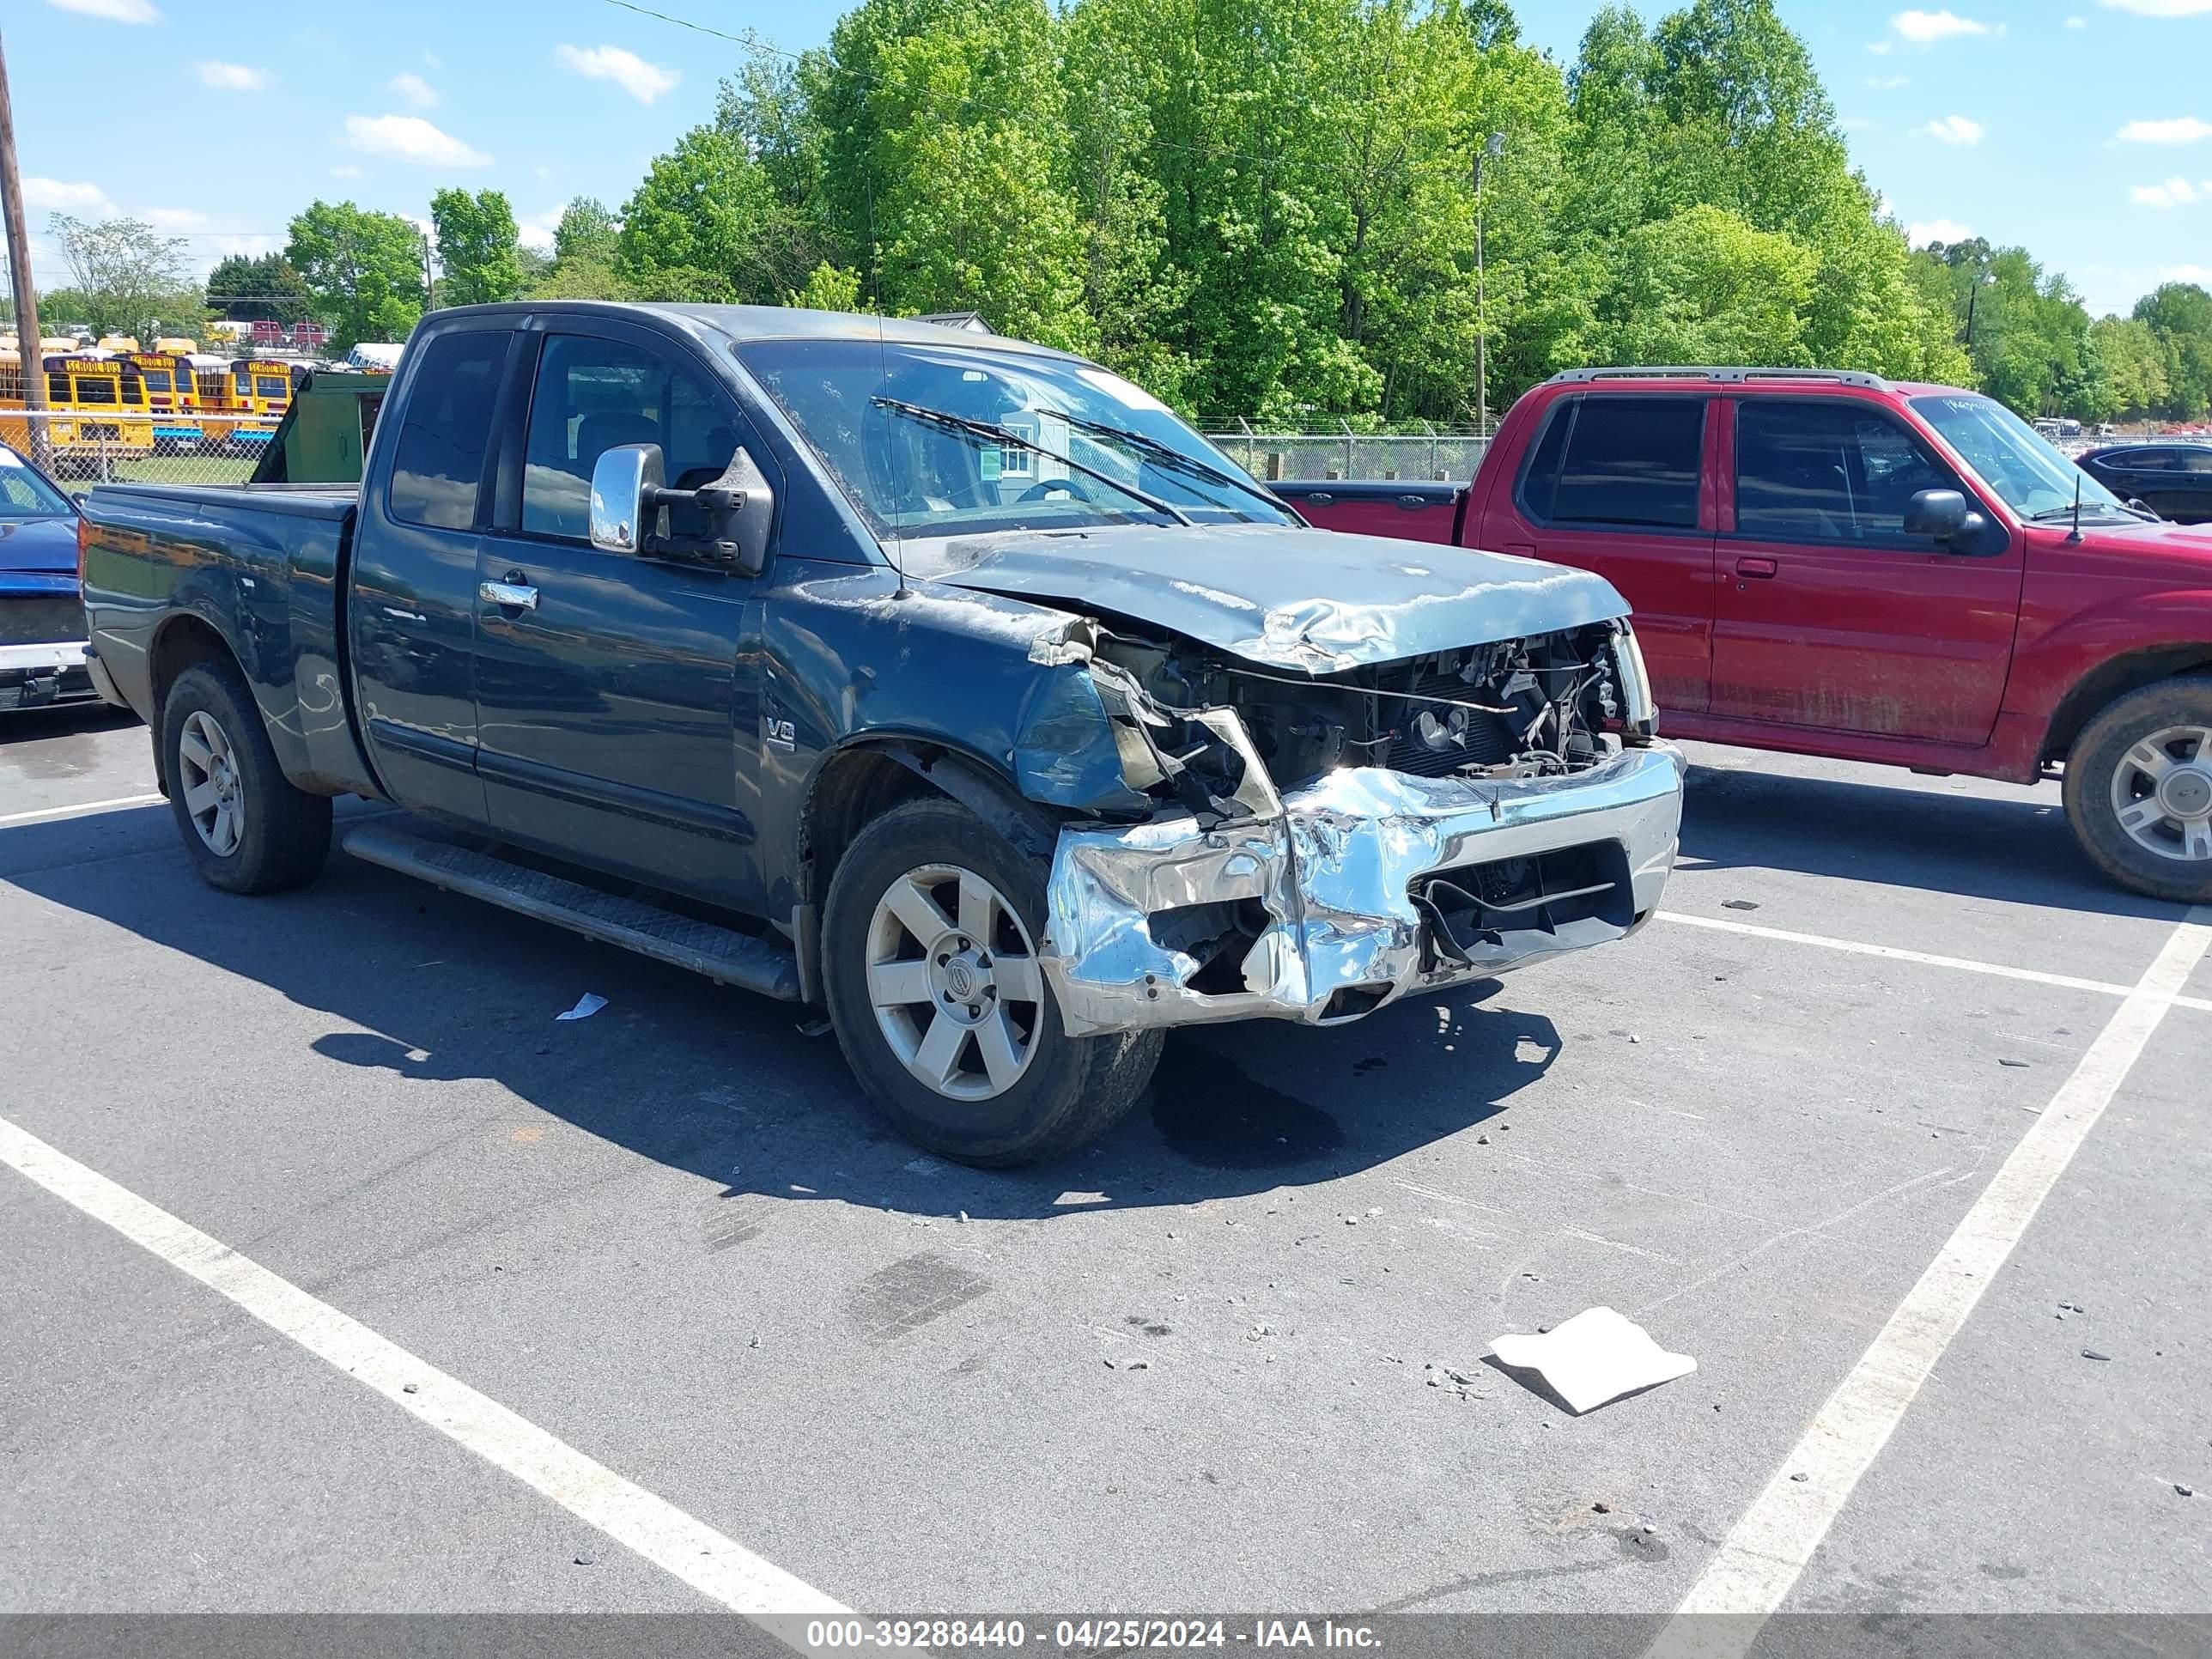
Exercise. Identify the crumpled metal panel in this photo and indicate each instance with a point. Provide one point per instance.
(1334, 871)
(1313, 601)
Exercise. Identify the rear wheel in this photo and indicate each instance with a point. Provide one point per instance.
(939, 1002)
(2139, 789)
(245, 826)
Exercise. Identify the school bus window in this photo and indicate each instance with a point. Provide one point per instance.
(95, 389)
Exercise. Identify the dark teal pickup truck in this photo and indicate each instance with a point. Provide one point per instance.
(947, 683)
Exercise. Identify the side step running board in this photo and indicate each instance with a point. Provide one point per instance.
(721, 953)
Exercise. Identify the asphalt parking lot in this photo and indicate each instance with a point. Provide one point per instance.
(1232, 1357)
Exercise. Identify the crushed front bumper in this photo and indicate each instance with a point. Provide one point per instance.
(1337, 896)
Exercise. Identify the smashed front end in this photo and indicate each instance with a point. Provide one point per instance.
(1312, 846)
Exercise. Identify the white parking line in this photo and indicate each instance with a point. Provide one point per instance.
(1763, 1554)
(687, 1548)
(84, 809)
(1894, 953)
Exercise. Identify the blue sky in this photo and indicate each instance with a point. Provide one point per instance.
(2081, 128)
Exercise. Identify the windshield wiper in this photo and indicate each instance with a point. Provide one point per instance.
(1168, 455)
(999, 434)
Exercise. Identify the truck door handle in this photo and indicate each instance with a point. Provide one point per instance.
(509, 596)
(1763, 569)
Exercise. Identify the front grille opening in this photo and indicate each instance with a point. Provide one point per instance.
(41, 619)
(1480, 913)
(1216, 936)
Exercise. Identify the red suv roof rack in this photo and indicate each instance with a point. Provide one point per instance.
(1728, 376)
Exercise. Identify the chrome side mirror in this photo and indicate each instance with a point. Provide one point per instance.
(626, 484)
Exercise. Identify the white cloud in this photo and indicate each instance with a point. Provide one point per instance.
(2200, 275)
(641, 80)
(1938, 230)
(59, 196)
(175, 219)
(2160, 7)
(412, 90)
(1955, 130)
(2171, 193)
(115, 11)
(537, 232)
(230, 77)
(1880, 48)
(410, 138)
(1887, 82)
(2077, 22)
(1924, 28)
(2182, 129)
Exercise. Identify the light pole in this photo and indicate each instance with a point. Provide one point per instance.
(1987, 279)
(1492, 147)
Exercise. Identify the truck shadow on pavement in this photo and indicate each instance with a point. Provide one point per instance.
(2017, 850)
(432, 986)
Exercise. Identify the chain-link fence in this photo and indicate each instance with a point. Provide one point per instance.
(83, 447)
(1450, 456)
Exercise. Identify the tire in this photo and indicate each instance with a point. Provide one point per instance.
(1048, 1092)
(2155, 837)
(244, 825)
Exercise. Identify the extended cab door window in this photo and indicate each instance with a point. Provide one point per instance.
(1831, 615)
(412, 615)
(620, 703)
(1615, 483)
(438, 467)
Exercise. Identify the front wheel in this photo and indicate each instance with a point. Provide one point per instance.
(247, 828)
(939, 1002)
(2139, 790)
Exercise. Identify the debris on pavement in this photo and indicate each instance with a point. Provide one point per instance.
(814, 1028)
(2019, 1065)
(586, 1005)
(1739, 904)
(1597, 1356)
(2090, 1353)
(2180, 1491)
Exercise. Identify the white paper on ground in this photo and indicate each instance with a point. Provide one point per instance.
(1597, 1356)
(586, 1005)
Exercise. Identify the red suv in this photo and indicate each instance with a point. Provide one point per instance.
(1836, 564)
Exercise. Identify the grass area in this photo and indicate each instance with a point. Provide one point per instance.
(171, 468)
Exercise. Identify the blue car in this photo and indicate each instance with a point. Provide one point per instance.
(42, 630)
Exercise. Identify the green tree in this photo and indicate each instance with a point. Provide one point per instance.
(2180, 315)
(479, 251)
(702, 227)
(1704, 286)
(364, 269)
(131, 279)
(945, 155)
(587, 231)
(828, 287)
(253, 290)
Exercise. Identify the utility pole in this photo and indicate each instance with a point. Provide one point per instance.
(30, 361)
(429, 282)
(1492, 147)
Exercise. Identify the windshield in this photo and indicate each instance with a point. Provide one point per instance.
(24, 494)
(865, 407)
(2009, 455)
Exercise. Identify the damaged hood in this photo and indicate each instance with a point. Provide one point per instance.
(1312, 600)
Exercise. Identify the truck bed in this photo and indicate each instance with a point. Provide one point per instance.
(261, 565)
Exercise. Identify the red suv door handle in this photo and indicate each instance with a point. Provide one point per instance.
(1764, 569)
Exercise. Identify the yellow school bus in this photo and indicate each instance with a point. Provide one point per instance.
(173, 400)
(241, 401)
(99, 414)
